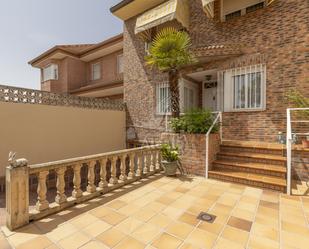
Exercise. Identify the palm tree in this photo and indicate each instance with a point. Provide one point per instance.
(169, 52)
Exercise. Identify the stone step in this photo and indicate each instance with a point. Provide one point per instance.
(251, 167)
(252, 157)
(256, 147)
(250, 179)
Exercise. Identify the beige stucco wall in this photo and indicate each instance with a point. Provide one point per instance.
(42, 133)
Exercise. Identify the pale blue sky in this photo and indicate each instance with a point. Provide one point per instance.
(30, 27)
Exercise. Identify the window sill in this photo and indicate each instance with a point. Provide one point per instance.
(247, 110)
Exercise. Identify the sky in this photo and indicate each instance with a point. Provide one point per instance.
(30, 27)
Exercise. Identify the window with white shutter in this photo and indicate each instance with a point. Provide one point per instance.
(96, 71)
(50, 72)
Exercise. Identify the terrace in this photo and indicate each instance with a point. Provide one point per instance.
(161, 212)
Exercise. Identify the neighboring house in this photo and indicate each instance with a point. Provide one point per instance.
(91, 70)
(250, 53)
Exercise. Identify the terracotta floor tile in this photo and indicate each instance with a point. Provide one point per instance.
(5, 244)
(188, 246)
(146, 233)
(179, 229)
(223, 243)
(197, 209)
(40, 242)
(292, 239)
(201, 238)
(155, 206)
(144, 214)
(84, 220)
(61, 232)
(160, 220)
(243, 214)
(181, 190)
(23, 235)
(130, 242)
(94, 245)
(266, 221)
(214, 228)
(240, 223)
(96, 228)
(74, 241)
(269, 204)
(117, 204)
(258, 242)
(165, 200)
(171, 212)
(165, 241)
(221, 208)
(111, 237)
(236, 235)
(100, 212)
(129, 225)
(114, 218)
(129, 209)
(294, 228)
(265, 231)
(189, 219)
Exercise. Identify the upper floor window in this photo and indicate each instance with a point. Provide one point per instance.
(96, 71)
(50, 72)
(233, 9)
(120, 64)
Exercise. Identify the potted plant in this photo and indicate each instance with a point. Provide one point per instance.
(170, 158)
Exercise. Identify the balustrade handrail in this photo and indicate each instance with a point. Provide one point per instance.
(289, 142)
(104, 173)
(35, 168)
(217, 119)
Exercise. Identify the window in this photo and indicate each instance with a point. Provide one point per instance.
(96, 71)
(247, 86)
(232, 9)
(255, 7)
(50, 72)
(163, 99)
(233, 15)
(120, 64)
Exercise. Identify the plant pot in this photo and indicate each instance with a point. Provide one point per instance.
(305, 143)
(170, 168)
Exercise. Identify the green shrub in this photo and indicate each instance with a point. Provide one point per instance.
(196, 121)
(169, 153)
(299, 101)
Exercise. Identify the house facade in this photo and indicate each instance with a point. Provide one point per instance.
(90, 70)
(250, 54)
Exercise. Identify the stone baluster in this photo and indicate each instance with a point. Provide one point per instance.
(91, 188)
(132, 164)
(123, 167)
(146, 162)
(139, 163)
(152, 160)
(113, 180)
(158, 160)
(42, 204)
(77, 192)
(103, 183)
(60, 197)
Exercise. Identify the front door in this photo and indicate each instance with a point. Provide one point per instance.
(210, 96)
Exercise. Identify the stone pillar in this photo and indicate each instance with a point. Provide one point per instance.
(17, 194)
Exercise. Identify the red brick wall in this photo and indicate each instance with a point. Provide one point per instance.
(193, 150)
(278, 32)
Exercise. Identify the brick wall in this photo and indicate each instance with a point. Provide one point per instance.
(279, 33)
(193, 150)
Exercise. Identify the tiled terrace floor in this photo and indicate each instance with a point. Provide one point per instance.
(162, 213)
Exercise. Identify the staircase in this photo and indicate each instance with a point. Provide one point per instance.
(255, 164)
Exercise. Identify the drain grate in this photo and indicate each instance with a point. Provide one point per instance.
(206, 217)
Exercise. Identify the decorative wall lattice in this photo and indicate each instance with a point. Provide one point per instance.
(30, 96)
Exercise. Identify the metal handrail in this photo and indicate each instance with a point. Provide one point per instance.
(289, 142)
(218, 118)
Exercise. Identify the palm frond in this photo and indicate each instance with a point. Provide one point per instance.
(170, 50)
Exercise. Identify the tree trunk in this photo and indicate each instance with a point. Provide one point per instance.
(174, 90)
